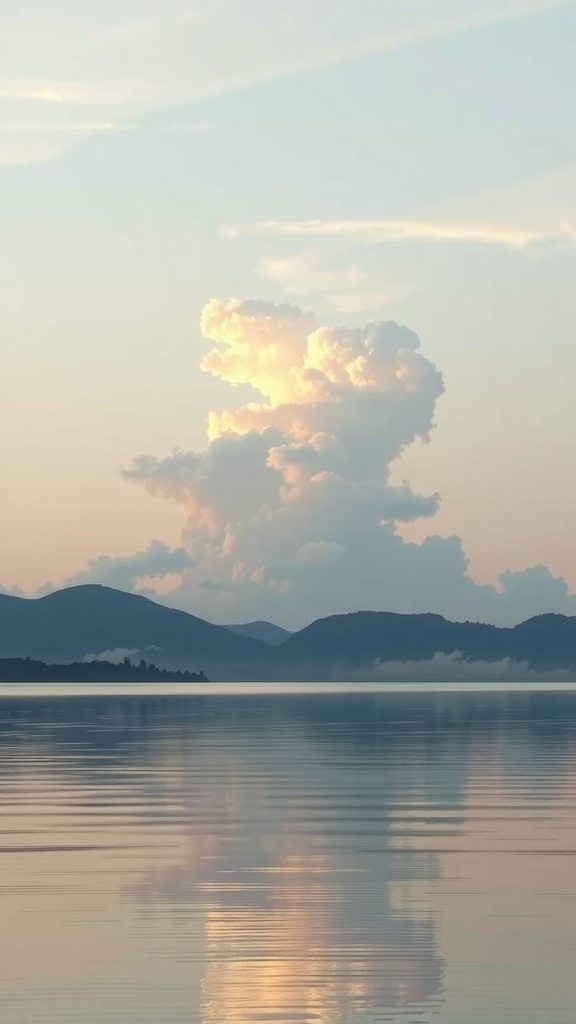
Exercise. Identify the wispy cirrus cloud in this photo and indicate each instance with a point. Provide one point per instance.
(98, 126)
(23, 142)
(113, 46)
(410, 231)
(339, 288)
(67, 126)
(109, 57)
(345, 270)
(63, 92)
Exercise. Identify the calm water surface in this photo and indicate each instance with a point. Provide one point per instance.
(297, 859)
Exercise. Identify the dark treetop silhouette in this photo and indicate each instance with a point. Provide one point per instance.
(24, 670)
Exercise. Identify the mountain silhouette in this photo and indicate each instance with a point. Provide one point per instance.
(268, 632)
(358, 639)
(72, 624)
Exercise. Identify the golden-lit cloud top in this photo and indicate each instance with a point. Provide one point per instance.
(292, 501)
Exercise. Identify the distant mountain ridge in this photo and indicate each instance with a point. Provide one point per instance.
(72, 624)
(268, 632)
(545, 641)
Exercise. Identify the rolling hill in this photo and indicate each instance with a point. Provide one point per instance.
(71, 624)
(358, 639)
(268, 632)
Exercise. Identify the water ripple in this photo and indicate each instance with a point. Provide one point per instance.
(300, 858)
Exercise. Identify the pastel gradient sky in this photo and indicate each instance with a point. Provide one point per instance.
(171, 176)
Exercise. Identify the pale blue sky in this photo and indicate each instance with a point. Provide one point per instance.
(160, 155)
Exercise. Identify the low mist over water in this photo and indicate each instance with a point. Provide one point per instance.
(296, 858)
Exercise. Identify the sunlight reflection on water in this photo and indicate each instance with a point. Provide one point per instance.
(231, 856)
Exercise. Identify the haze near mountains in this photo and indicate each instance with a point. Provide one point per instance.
(87, 622)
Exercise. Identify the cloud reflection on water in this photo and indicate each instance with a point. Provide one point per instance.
(274, 859)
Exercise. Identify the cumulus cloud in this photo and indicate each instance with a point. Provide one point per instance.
(124, 572)
(289, 511)
(456, 668)
(531, 591)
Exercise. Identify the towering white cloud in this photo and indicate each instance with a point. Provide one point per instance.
(289, 511)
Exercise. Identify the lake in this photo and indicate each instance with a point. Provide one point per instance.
(250, 856)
